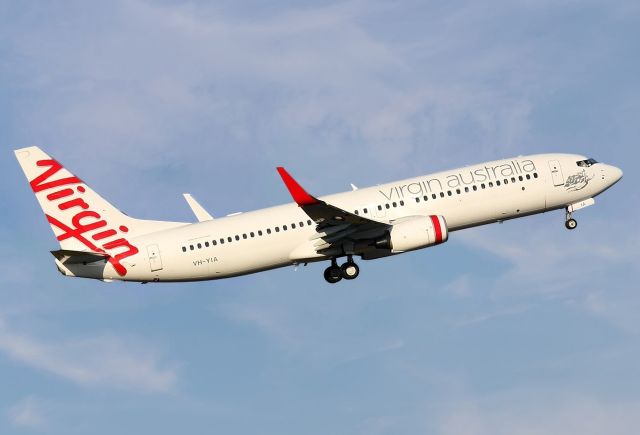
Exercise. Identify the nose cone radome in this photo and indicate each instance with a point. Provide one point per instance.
(616, 174)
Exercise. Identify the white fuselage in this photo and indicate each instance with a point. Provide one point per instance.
(465, 197)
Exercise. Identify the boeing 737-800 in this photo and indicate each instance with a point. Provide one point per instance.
(99, 241)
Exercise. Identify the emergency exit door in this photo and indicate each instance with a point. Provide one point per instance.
(154, 257)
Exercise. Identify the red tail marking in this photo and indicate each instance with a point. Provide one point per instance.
(59, 194)
(79, 228)
(38, 184)
(77, 233)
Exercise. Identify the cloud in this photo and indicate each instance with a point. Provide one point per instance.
(105, 361)
(575, 267)
(566, 259)
(26, 413)
(540, 414)
(153, 78)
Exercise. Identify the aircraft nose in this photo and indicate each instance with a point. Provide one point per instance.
(616, 174)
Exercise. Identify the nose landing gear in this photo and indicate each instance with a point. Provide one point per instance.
(335, 273)
(570, 223)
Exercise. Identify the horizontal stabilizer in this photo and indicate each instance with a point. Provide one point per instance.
(198, 210)
(84, 264)
(68, 256)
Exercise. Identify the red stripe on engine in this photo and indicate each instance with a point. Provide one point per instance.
(436, 226)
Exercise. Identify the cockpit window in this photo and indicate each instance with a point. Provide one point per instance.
(586, 163)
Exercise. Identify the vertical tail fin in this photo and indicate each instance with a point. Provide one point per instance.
(81, 219)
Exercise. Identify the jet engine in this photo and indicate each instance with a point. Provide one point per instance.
(414, 232)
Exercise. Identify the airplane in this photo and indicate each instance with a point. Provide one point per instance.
(99, 241)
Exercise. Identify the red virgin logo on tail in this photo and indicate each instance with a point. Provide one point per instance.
(85, 225)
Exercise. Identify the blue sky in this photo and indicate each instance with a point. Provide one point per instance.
(519, 328)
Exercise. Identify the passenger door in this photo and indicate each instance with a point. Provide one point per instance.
(556, 173)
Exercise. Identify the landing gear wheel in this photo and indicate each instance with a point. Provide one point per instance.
(350, 270)
(571, 224)
(333, 274)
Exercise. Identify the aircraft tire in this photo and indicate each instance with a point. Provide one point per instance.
(332, 274)
(350, 270)
(571, 224)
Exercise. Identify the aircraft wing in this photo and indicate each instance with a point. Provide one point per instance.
(334, 224)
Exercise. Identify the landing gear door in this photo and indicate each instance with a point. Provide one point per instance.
(154, 257)
(556, 173)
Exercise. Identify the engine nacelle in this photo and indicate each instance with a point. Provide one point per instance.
(414, 232)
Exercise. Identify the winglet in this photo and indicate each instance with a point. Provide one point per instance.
(201, 214)
(300, 196)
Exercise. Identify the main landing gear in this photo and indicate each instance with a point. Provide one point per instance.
(335, 273)
(570, 223)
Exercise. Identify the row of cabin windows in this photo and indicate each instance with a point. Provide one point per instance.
(237, 237)
(466, 189)
(482, 186)
(393, 204)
